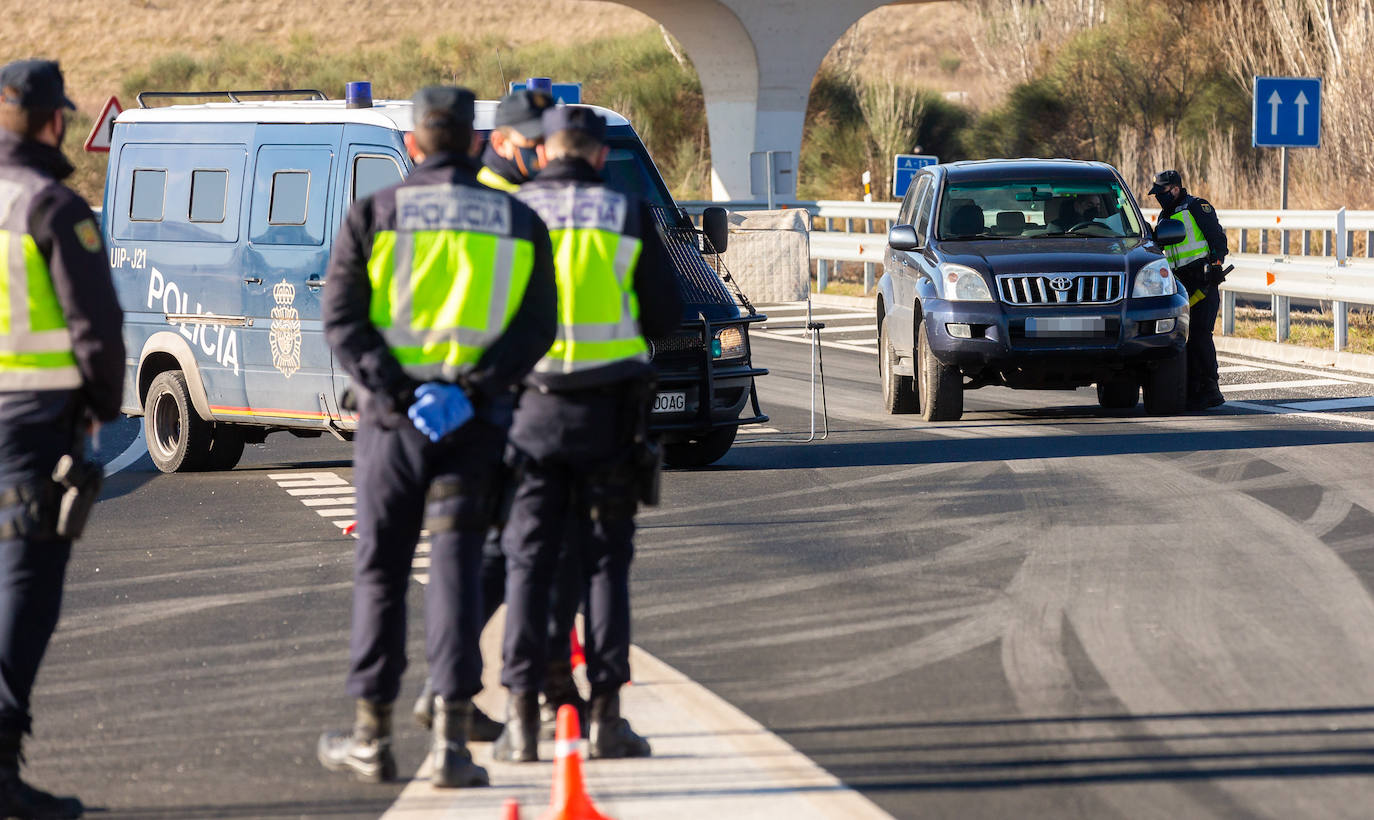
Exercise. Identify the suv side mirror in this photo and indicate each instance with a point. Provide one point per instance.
(716, 226)
(1170, 232)
(903, 238)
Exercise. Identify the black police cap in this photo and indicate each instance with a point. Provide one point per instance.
(575, 118)
(523, 110)
(34, 84)
(444, 106)
(1164, 179)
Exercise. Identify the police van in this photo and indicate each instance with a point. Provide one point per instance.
(219, 217)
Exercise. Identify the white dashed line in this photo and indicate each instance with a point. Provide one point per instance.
(1331, 404)
(1289, 385)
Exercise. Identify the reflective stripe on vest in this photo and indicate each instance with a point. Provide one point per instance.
(491, 179)
(1193, 247)
(594, 259)
(448, 280)
(35, 345)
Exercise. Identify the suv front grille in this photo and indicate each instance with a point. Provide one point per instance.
(1060, 288)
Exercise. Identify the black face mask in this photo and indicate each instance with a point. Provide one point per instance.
(1166, 200)
(526, 162)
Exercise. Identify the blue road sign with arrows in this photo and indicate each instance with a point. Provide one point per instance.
(904, 168)
(1288, 112)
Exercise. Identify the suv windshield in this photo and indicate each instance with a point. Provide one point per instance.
(1036, 208)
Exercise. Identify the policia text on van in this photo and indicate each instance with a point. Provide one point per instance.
(219, 218)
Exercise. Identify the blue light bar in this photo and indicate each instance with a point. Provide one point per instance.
(358, 94)
(544, 84)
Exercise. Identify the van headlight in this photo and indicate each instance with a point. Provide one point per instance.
(728, 343)
(964, 284)
(1155, 279)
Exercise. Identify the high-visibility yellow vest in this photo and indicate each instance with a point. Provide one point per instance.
(1193, 247)
(595, 249)
(35, 345)
(491, 179)
(448, 279)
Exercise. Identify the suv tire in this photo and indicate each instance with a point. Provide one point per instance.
(178, 439)
(941, 389)
(1118, 393)
(1166, 386)
(700, 451)
(899, 392)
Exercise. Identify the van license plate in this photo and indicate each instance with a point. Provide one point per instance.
(670, 402)
(1065, 327)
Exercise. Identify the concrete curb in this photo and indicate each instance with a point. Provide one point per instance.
(1284, 353)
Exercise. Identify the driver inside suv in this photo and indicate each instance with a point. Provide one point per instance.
(1063, 213)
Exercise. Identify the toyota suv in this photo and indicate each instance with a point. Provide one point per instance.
(1032, 273)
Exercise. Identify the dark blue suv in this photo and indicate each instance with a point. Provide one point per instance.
(1030, 273)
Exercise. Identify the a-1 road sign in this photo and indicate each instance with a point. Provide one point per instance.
(1288, 112)
(904, 168)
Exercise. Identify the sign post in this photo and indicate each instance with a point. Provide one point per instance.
(102, 133)
(904, 168)
(1288, 114)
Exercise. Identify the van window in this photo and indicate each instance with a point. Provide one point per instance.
(150, 188)
(208, 194)
(290, 198)
(373, 173)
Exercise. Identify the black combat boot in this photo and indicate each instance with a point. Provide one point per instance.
(450, 763)
(483, 728)
(609, 734)
(19, 799)
(560, 689)
(365, 751)
(519, 742)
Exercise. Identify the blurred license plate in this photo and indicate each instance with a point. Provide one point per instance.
(1061, 327)
(670, 402)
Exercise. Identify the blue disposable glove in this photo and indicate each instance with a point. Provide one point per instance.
(439, 409)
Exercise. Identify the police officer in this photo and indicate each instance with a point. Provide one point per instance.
(440, 298)
(510, 159)
(575, 427)
(61, 372)
(1197, 263)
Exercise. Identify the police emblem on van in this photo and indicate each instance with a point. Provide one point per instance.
(286, 330)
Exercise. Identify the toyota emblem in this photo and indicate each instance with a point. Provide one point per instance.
(1061, 283)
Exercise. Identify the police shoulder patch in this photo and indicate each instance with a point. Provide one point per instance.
(1207, 209)
(88, 234)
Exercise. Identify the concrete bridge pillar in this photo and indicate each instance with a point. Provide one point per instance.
(756, 60)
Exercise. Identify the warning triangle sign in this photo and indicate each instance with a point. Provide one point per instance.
(103, 130)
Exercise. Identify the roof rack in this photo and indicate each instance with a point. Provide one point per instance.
(233, 96)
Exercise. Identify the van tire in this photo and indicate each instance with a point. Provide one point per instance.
(899, 392)
(1165, 386)
(701, 450)
(941, 389)
(178, 439)
(226, 448)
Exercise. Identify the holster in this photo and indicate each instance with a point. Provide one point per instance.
(79, 482)
(646, 455)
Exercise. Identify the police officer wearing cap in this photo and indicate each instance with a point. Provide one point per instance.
(61, 372)
(575, 429)
(440, 298)
(510, 159)
(1197, 262)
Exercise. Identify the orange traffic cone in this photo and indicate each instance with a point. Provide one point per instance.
(578, 657)
(510, 810)
(570, 800)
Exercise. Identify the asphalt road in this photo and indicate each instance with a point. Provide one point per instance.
(1042, 610)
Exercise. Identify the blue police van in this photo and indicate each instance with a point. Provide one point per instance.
(219, 217)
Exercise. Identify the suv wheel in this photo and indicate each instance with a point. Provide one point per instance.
(899, 392)
(178, 439)
(701, 450)
(941, 390)
(1166, 386)
(1118, 393)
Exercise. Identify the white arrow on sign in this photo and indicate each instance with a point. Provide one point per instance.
(1301, 102)
(1274, 102)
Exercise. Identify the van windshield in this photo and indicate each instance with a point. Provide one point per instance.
(1036, 208)
(629, 169)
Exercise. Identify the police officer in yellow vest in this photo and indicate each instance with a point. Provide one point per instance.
(440, 298)
(574, 428)
(510, 159)
(61, 372)
(1197, 262)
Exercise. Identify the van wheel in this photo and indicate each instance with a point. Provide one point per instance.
(700, 451)
(1118, 393)
(1166, 386)
(941, 390)
(178, 439)
(226, 448)
(899, 392)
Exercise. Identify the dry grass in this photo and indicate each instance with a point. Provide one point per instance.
(1307, 328)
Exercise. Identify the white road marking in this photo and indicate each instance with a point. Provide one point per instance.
(1331, 404)
(132, 453)
(1239, 368)
(1306, 371)
(754, 430)
(1289, 385)
(1279, 410)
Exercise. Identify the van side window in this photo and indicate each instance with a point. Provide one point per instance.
(290, 198)
(150, 188)
(373, 173)
(209, 190)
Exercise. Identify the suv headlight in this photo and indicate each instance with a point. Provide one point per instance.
(728, 343)
(1155, 279)
(964, 284)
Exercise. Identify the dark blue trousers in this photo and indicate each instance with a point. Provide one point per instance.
(1202, 350)
(394, 471)
(567, 592)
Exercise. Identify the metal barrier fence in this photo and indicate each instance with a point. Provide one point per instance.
(1283, 255)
